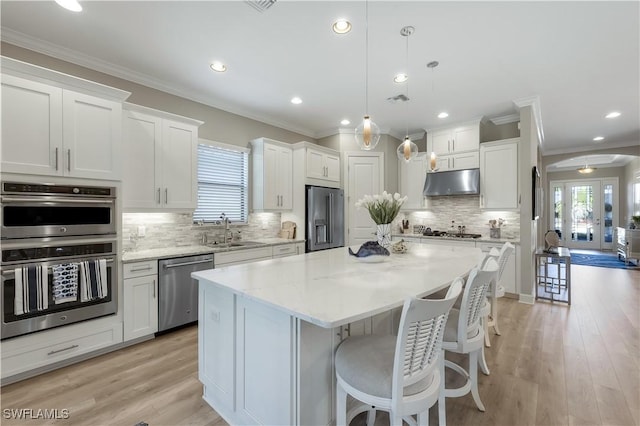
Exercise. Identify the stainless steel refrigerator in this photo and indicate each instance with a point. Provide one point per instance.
(325, 218)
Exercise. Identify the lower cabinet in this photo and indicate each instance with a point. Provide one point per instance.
(140, 299)
(237, 257)
(39, 350)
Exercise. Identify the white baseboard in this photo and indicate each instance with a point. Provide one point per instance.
(527, 298)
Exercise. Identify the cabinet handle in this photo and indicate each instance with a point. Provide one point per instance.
(448, 146)
(453, 145)
(453, 163)
(481, 200)
(158, 195)
(146, 268)
(154, 288)
(166, 195)
(62, 350)
(56, 159)
(69, 160)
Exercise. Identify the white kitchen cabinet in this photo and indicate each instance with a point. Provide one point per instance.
(272, 175)
(466, 160)
(160, 161)
(456, 139)
(499, 175)
(323, 165)
(237, 257)
(46, 349)
(411, 177)
(140, 303)
(50, 130)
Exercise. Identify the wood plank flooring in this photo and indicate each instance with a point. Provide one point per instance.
(552, 365)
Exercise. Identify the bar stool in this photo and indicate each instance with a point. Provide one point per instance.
(464, 333)
(401, 375)
(497, 290)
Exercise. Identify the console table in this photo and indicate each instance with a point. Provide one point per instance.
(553, 275)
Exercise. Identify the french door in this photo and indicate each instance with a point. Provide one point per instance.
(584, 212)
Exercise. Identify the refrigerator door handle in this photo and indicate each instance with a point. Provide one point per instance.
(330, 224)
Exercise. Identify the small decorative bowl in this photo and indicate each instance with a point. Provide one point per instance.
(400, 247)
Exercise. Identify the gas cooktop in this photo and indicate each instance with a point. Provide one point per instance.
(429, 233)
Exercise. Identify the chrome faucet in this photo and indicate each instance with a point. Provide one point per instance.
(228, 235)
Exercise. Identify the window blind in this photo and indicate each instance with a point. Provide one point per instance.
(222, 184)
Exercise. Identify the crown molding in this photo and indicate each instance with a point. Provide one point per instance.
(600, 147)
(68, 55)
(534, 103)
(505, 119)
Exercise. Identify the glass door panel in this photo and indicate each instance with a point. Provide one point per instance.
(584, 214)
(557, 204)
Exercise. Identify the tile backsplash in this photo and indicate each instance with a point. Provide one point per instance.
(463, 210)
(177, 229)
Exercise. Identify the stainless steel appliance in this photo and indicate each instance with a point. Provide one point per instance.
(325, 218)
(177, 291)
(48, 252)
(47, 210)
(452, 182)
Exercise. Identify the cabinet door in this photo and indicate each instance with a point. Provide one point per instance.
(271, 200)
(441, 142)
(140, 306)
(466, 139)
(179, 166)
(444, 163)
(412, 177)
(142, 145)
(92, 131)
(315, 164)
(469, 160)
(499, 176)
(333, 167)
(31, 127)
(284, 178)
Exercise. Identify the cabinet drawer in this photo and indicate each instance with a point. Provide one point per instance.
(28, 358)
(285, 250)
(241, 256)
(140, 269)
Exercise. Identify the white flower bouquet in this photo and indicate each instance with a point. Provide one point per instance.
(382, 208)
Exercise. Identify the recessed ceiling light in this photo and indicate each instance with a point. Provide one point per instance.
(443, 115)
(341, 26)
(71, 5)
(400, 78)
(598, 138)
(218, 66)
(613, 114)
(345, 122)
(296, 100)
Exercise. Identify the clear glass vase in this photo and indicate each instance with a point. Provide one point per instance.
(383, 232)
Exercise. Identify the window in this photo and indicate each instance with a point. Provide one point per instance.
(222, 182)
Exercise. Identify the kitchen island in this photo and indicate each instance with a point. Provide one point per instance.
(268, 330)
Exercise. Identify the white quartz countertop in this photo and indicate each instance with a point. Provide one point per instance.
(178, 251)
(330, 288)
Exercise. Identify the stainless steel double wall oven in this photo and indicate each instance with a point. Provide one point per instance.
(55, 228)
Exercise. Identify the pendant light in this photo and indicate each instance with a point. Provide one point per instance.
(367, 134)
(407, 150)
(433, 160)
(586, 169)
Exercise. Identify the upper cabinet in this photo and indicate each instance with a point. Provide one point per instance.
(499, 175)
(316, 164)
(411, 177)
(159, 161)
(272, 171)
(456, 147)
(51, 127)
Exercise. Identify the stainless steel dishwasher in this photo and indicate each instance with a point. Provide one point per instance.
(177, 291)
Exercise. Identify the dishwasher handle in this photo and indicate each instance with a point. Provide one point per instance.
(195, 262)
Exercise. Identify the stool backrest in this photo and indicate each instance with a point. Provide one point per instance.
(473, 298)
(419, 343)
(502, 256)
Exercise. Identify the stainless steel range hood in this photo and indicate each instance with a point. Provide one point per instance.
(452, 182)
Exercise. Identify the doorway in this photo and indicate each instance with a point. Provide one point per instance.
(584, 212)
(364, 176)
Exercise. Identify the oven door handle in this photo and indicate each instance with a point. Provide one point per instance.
(58, 200)
(9, 270)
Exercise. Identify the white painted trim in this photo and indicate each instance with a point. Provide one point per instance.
(315, 147)
(534, 102)
(505, 119)
(473, 122)
(127, 106)
(527, 299)
(593, 147)
(224, 145)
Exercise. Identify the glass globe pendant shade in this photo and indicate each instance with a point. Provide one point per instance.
(407, 149)
(367, 134)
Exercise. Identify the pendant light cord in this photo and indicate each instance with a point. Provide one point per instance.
(408, 98)
(366, 61)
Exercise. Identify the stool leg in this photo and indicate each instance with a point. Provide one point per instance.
(423, 418)
(442, 409)
(482, 361)
(473, 372)
(494, 316)
(485, 326)
(371, 417)
(341, 406)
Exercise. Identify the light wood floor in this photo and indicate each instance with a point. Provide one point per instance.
(552, 365)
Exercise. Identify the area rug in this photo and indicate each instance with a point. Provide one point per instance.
(602, 260)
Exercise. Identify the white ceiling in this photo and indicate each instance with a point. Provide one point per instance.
(580, 59)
